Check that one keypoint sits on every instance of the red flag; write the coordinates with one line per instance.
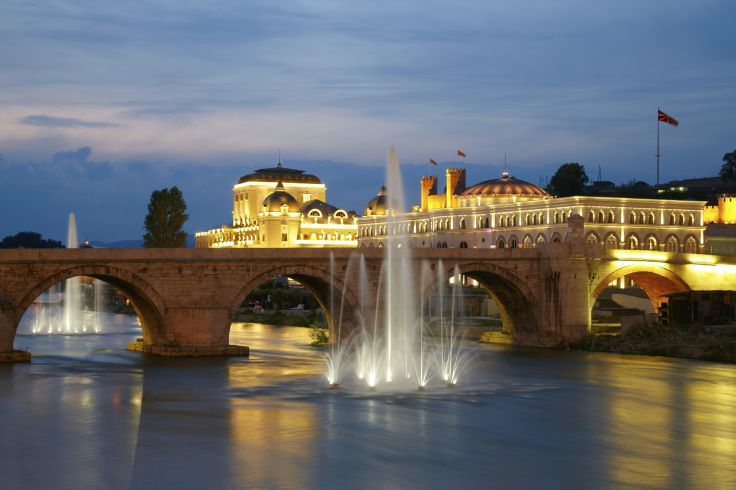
(460, 153)
(432, 162)
(665, 118)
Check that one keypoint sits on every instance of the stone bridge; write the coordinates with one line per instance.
(186, 298)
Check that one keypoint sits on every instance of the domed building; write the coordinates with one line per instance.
(282, 207)
(507, 212)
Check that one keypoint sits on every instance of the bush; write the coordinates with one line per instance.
(320, 337)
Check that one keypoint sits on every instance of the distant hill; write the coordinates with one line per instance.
(118, 244)
(132, 243)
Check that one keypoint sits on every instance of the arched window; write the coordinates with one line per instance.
(527, 222)
(564, 217)
(651, 243)
(632, 218)
(651, 218)
(513, 220)
(463, 244)
(501, 243)
(528, 243)
(541, 218)
(611, 217)
(691, 245)
(556, 218)
(486, 223)
(632, 243)
(601, 217)
(556, 238)
(611, 242)
(591, 216)
(591, 239)
(672, 220)
(690, 220)
(512, 243)
(540, 238)
(642, 219)
(534, 219)
(462, 224)
(681, 220)
(673, 244)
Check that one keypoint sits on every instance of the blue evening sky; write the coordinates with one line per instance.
(103, 102)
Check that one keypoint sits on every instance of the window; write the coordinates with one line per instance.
(501, 243)
(463, 244)
(462, 225)
(673, 245)
(611, 242)
(611, 217)
(672, 220)
(681, 220)
(512, 243)
(651, 243)
(632, 218)
(632, 242)
(642, 219)
(591, 216)
(690, 220)
(651, 218)
(691, 246)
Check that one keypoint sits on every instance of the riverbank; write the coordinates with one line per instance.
(709, 343)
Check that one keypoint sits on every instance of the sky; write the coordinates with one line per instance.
(103, 102)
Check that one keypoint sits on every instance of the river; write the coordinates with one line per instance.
(88, 414)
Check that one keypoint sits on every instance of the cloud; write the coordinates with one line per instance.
(63, 122)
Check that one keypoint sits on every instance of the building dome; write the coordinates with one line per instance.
(278, 198)
(505, 187)
(378, 204)
(280, 173)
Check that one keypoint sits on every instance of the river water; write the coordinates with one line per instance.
(88, 414)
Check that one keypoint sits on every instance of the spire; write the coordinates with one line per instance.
(279, 164)
(505, 173)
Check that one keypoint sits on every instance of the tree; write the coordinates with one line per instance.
(569, 180)
(728, 170)
(29, 239)
(636, 188)
(165, 219)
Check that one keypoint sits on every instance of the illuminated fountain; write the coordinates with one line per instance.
(399, 347)
(73, 316)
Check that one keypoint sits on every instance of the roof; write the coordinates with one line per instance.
(280, 173)
(505, 186)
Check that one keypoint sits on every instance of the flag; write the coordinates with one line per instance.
(665, 118)
(460, 153)
(432, 162)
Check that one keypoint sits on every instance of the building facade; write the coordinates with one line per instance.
(511, 213)
(282, 207)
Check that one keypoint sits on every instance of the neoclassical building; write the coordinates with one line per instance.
(282, 207)
(509, 212)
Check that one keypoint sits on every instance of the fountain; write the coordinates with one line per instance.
(74, 316)
(399, 348)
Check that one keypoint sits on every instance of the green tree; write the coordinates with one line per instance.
(165, 219)
(569, 180)
(728, 170)
(636, 188)
(29, 239)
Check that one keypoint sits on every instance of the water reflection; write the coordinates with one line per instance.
(90, 415)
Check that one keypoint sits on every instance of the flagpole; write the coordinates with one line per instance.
(658, 154)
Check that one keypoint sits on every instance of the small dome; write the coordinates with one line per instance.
(378, 204)
(505, 186)
(280, 173)
(278, 198)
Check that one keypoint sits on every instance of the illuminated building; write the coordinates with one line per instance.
(511, 213)
(282, 207)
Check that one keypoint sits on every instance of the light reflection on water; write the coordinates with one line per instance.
(87, 414)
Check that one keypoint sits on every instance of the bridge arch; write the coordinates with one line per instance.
(513, 296)
(655, 280)
(318, 281)
(147, 303)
